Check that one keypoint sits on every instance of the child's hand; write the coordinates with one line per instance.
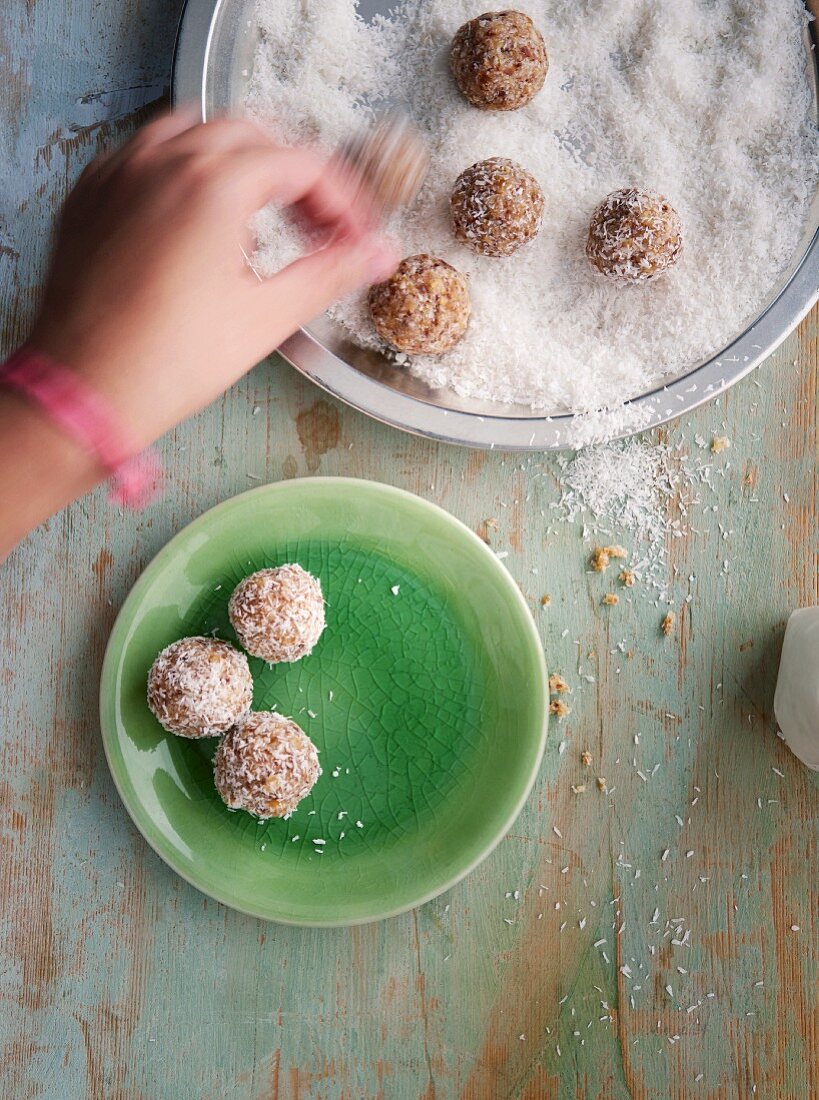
(149, 296)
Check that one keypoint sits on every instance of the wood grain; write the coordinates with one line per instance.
(118, 980)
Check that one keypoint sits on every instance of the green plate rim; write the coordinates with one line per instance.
(113, 652)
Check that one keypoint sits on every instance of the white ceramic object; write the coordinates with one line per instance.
(796, 702)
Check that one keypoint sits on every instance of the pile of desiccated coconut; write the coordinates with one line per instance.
(646, 492)
(708, 104)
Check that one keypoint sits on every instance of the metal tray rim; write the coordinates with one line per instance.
(525, 432)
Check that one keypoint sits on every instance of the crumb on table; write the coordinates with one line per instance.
(557, 685)
(602, 556)
(628, 577)
(667, 625)
(610, 599)
(720, 443)
(586, 758)
(558, 708)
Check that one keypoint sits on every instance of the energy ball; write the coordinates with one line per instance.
(391, 161)
(499, 60)
(496, 207)
(278, 614)
(198, 687)
(634, 235)
(423, 309)
(265, 765)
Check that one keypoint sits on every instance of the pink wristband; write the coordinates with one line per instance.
(85, 416)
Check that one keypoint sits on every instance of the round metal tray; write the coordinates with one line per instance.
(214, 57)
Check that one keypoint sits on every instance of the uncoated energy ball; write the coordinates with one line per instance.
(198, 687)
(634, 235)
(499, 60)
(496, 207)
(265, 765)
(278, 614)
(423, 309)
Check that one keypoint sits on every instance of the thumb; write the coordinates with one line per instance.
(305, 288)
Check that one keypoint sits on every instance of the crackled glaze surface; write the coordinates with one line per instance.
(425, 696)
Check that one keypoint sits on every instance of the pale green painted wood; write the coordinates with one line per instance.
(119, 980)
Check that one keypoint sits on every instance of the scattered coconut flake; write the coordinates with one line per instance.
(648, 490)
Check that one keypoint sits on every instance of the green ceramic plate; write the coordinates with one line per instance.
(426, 696)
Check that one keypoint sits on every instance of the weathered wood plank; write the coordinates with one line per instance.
(119, 980)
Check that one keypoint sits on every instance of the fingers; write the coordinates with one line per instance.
(95, 167)
(150, 136)
(167, 126)
(337, 201)
(241, 153)
(308, 286)
(319, 192)
(224, 135)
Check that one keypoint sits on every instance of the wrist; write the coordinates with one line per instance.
(91, 358)
(41, 469)
(86, 417)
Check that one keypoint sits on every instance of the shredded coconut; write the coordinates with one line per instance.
(278, 614)
(266, 765)
(707, 103)
(645, 489)
(198, 687)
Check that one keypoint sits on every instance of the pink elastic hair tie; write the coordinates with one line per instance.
(85, 416)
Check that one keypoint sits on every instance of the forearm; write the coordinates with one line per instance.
(41, 470)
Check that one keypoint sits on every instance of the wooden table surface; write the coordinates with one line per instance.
(118, 979)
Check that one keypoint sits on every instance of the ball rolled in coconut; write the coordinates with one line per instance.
(266, 764)
(423, 309)
(499, 60)
(634, 235)
(496, 207)
(278, 614)
(198, 687)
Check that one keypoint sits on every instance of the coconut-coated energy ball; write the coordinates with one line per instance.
(391, 161)
(423, 309)
(496, 207)
(499, 60)
(634, 235)
(198, 687)
(265, 765)
(278, 614)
